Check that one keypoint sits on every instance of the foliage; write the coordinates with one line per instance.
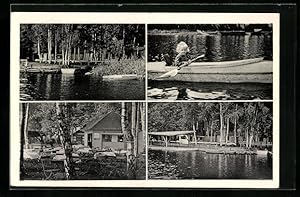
(211, 27)
(252, 119)
(126, 66)
(93, 41)
(42, 116)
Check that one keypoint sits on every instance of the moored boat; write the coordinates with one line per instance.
(68, 71)
(255, 70)
(262, 152)
(119, 77)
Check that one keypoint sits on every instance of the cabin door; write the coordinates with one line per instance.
(90, 140)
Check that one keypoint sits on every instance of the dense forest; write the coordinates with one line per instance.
(251, 121)
(211, 27)
(87, 42)
(60, 120)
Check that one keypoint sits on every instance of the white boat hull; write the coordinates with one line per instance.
(225, 72)
(69, 71)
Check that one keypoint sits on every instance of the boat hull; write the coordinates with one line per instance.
(119, 77)
(69, 71)
(229, 72)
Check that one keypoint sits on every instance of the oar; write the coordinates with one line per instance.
(173, 73)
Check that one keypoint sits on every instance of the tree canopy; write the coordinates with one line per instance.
(210, 27)
(91, 40)
(252, 121)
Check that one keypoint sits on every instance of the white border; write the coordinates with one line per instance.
(18, 18)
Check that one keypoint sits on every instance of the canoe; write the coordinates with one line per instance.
(119, 77)
(68, 71)
(254, 70)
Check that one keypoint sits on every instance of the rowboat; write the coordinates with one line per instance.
(262, 152)
(255, 70)
(69, 71)
(119, 77)
(232, 32)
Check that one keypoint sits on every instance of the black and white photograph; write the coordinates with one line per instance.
(82, 141)
(210, 140)
(82, 62)
(210, 61)
(144, 100)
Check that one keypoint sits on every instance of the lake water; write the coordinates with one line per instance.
(216, 48)
(226, 91)
(200, 165)
(38, 86)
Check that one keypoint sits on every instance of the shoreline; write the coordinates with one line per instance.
(210, 150)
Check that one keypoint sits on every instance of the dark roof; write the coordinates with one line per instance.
(94, 121)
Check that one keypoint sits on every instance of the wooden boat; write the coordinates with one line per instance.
(202, 33)
(254, 70)
(232, 32)
(69, 71)
(119, 77)
(262, 152)
(50, 71)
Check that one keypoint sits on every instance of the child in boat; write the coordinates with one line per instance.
(182, 50)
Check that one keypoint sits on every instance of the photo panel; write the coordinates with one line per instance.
(82, 141)
(210, 140)
(210, 61)
(82, 61)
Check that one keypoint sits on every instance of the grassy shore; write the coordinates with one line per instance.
(122, 67)
(105, 168)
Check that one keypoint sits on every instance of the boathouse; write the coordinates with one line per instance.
(104, 131)
(172, 138)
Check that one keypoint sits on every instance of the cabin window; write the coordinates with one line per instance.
(114, 138)
(120, 138)
(107, 138)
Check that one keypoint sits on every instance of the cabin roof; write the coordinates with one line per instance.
(94, 123)
(170, 133)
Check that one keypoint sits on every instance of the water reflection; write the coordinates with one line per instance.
(215, 91)
(36, 86)
(215, 47)
(199, 165)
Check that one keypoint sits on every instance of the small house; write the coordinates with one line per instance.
(104, 131)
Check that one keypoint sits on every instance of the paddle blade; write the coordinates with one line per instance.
(171, 73)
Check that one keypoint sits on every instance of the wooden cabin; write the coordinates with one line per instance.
(104, 131)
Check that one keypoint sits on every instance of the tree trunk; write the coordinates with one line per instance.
(143, 121)
(211, 131)
(227, 131)
(78, 53)
(39, 50)
(49, 45)
(221, 125)
(63, 55)
(69, 50)
(55, 48)
(234, 131)
(133, 126)
(247, 141)
(129, 142)
(74, 54)
(63, 117)
(207, 129)
(24, 139)
(124, 33)
(84, 54)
